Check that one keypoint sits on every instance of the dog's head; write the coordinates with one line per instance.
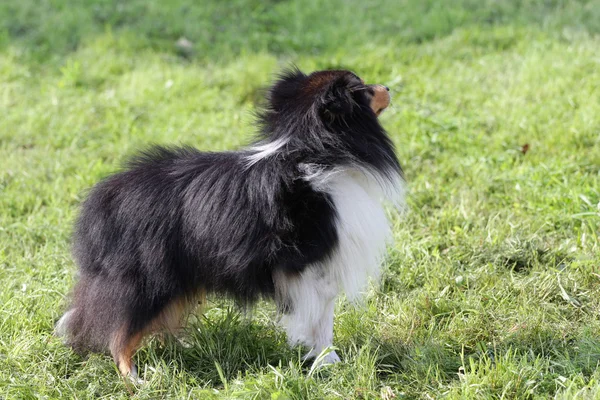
(329, 118)
(333, 94)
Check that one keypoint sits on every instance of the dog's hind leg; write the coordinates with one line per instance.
(169, 320)
(172, 319)
(123, 345)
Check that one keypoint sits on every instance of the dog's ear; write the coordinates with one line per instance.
(337, 99)
(285, 88)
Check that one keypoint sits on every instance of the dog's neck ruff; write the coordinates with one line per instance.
(363, 227)
(358, 192)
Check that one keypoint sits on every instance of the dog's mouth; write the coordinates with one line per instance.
(381, 99)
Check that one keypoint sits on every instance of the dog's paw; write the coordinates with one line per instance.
(331, 358)
(327, 356)
(134, 377)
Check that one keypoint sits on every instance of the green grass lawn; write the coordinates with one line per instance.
(492, 287)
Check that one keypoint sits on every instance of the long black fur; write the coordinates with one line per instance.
(178, 220)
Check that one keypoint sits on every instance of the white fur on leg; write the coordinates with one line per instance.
(60, 328)
(311, 296)
(323, 337)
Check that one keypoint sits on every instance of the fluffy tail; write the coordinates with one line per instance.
(61, 328)
(93, 316)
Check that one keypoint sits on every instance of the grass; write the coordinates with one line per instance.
(492, 287)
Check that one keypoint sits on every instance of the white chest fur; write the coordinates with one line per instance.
(363, 232)
(362, 225)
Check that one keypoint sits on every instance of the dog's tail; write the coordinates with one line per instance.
(92, 317)
(61, 329)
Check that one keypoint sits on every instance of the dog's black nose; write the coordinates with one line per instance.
(387, 88)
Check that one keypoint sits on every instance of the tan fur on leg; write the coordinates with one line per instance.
(174, 316)
(122, 347)
(170, 321)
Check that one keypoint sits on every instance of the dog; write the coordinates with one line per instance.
(298, 217)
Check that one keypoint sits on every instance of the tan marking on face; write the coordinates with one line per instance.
(381, 99)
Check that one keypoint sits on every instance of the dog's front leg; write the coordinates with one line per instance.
(323, 335)
(307, 301)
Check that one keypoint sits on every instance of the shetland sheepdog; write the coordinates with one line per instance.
(297, 217)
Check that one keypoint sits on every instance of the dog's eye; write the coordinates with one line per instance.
(354, 88)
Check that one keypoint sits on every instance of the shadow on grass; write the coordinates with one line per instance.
(230, 342)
